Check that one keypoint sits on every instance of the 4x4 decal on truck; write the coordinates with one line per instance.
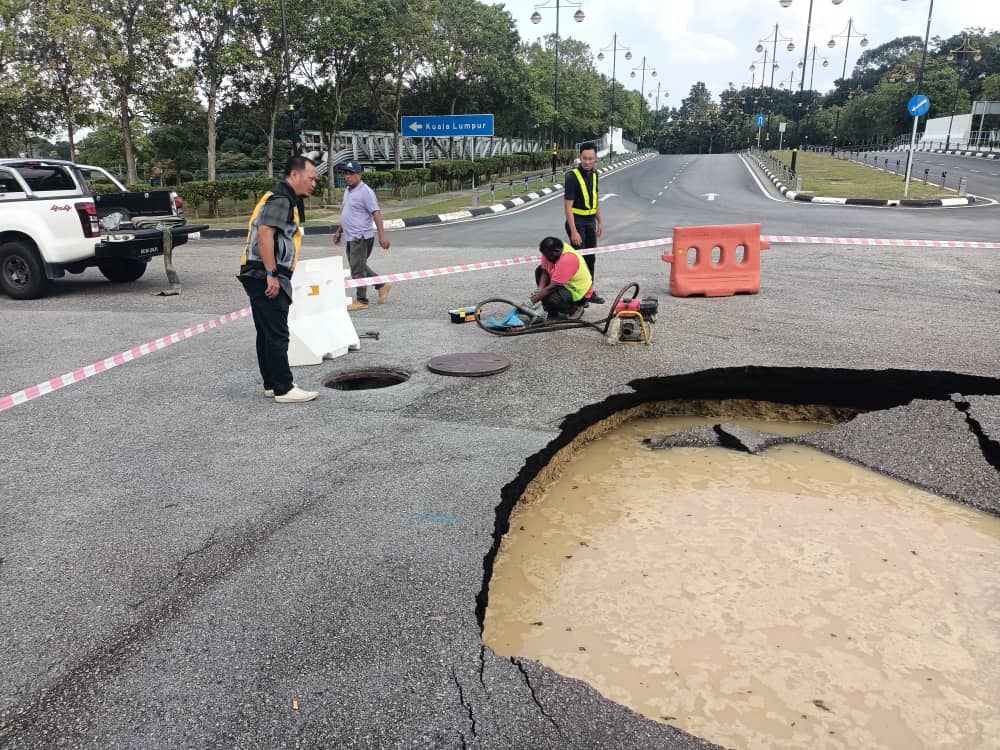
(67, 207)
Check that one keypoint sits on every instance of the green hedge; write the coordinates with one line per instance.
(447, 173)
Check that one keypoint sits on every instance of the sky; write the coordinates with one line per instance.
(713, 41)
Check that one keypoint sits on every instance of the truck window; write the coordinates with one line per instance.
(9, 186)
(42, 178)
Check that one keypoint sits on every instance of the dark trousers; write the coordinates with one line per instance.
(588, 233)
(358, 253)
(559, 301)
(270, 316)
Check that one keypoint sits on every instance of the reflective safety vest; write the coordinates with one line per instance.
(581, 282)
(589, 202)
(287, 240)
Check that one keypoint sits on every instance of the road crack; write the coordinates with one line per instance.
(531, 689)
(989, 447)
(465, 704)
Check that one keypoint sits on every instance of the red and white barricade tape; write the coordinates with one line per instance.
(792, 239)
(447, 270)
(82, 373)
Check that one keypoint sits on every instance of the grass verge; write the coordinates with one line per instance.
(825, 175)
(407, 207)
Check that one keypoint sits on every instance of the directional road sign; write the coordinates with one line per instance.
(434, 126)
(760, 121)
(918, 106)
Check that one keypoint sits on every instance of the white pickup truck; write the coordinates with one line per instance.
(50, 223)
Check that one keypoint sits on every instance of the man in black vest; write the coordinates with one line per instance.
(583, 212)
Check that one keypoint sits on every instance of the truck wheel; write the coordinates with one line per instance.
(22, 273)
(121, 271)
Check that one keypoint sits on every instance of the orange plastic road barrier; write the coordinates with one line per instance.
(715, 261)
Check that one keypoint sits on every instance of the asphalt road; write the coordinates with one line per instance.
(184, 564)
(653, 197)
(982, 175)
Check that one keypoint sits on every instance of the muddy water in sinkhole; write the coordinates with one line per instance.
(781, 600)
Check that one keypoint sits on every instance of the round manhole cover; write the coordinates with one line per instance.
(361, 380)
(469, 364)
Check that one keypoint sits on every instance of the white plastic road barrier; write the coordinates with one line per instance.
(318, 323)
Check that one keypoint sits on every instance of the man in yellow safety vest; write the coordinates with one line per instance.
(583, 212)
(562, 280)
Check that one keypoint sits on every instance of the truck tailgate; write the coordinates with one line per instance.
(142, 244)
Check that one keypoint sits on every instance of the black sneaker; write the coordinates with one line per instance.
(596, 299)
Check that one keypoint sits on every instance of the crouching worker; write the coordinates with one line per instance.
(563, 280)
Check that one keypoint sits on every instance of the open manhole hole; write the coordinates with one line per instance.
(364, 380)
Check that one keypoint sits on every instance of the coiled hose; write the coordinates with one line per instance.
(601, 326)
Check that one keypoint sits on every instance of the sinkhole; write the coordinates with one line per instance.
(361, 380)
(768, 596)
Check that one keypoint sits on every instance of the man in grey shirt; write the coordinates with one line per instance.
(360, 210)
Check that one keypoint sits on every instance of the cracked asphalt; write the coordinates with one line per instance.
(185, 564)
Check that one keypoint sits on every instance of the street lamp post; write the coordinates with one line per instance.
(774, 37)
(957, 55)
(805, 51)
(536, 17)
(642, 92)
(927, 39)
(288, 80)
(614, 60)
(843, 73)
(812, 73)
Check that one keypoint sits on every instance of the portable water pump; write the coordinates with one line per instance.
(634, 318)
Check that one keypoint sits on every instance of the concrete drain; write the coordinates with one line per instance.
(364, 380)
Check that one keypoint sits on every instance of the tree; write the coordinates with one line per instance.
(337, 58)
(105, 146)
(220, 47)
(65, 58)
(179, 139)
(401, 51)
(137, 40)
(474, 65)
(24, 108)
(991, 88)
(264, 92)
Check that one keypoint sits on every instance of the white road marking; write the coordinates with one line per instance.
(711, 196)
(653, 201)
(660, 193)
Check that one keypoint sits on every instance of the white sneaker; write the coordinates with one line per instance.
(269, 392)
(296, 396)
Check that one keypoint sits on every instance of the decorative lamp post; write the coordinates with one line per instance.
(957, 55)
(642, 92)
(615, 49)
(536, 17)
(805, 51)
(288, 81)
(850, 31)
(927, 38)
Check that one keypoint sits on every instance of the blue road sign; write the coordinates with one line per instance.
(434, 126)
(760, 121)
(918, 106)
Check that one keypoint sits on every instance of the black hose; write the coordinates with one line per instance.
(556, 325)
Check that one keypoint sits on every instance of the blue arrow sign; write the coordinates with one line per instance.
(760, 121)
(918, 106)
(434, 126)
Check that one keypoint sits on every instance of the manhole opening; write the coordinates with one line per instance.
(365, 380)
